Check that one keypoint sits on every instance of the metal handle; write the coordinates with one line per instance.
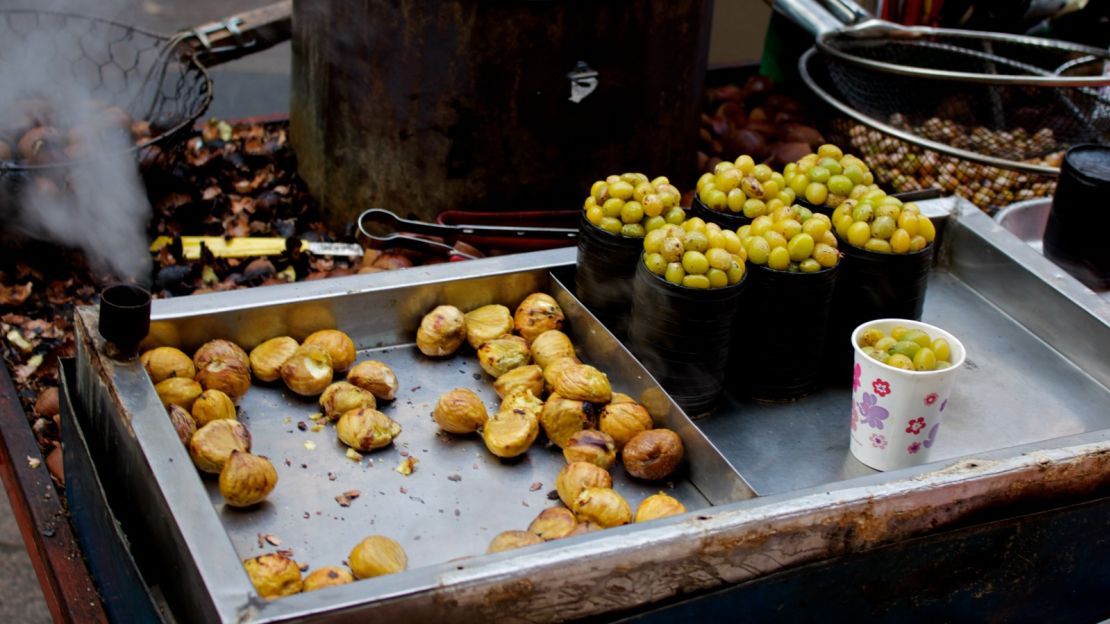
(808, 14)
(848, 11)
(239, 35)
(388, 221)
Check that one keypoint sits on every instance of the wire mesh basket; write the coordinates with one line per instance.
(52, 57)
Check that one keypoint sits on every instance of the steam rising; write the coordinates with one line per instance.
(55, 77)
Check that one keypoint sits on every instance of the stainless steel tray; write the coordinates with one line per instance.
(1030, 418)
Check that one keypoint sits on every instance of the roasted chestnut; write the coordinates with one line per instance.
(582, 382)
(652, 454)
(178, 391)
(183, 423)
(212, 445)
(553, 523)
(486, 323)
(518, 380)
(274, 575)
(327, 576)
(162, 363)
(550, 346)
(339, 346)
(366, 429)
(562, 418)
(576, 476)
(308, 371)
(442, 331)
(590, 445)
(658, 506)
(501, 355)
(509, 540)
(602, 505)
(624, 420)
(246, 479)
(536, 314)
(213, 405)
(377, 555)
(460, 411)
(341, 397)
(510, 433)
(266, 359)
(376, 377)
(222, 365)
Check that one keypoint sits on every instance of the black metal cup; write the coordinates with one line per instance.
(124, 317)
(1071, 239)
(727, 220)
(779, 338)
(682, 336)
(603, 278)
(872, 286)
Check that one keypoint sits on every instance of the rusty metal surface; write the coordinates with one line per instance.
(628, 567)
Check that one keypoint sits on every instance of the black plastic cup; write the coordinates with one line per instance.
(814, 208)
(124, 318)
(781, 331)
(872, 286)
(682, 336)
(603, 276)
(727, 220)
(1082, 192)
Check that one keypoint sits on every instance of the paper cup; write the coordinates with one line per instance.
(896, 414)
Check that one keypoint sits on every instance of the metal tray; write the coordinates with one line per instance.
(1030, 420)
(459, 495)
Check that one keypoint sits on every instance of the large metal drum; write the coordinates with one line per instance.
(424, 106)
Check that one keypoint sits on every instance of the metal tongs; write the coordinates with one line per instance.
(383, 227)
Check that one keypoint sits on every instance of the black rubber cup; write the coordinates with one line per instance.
(1070, 240)
(682, 336)
(124, 318)
(727, 220)
(872, 286)
(603, 278)
(781, 331)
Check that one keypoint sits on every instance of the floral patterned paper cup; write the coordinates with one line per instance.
(896, 414)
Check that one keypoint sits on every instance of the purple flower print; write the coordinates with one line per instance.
(855, 417)
(932, 436)
(878, 441)
(944, 405)
(855, 378)
(913, 448)
(872, 414)
(930, 399)
(881, 387)
(915, 425)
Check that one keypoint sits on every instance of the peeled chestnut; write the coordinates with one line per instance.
(486, 323)
(562, 418)
(624, 420)
(553, 523)
(590, 445)
(341, 397)
(519, 379)
(501, 355)
(377, 555)
(162, 363)
(585, 527)
(274, 575)
(212, 445)
(509, 540)
(246, 479)
(576, 476)
(603, 506)
(550, 346)
(536, 314)
(366, 429)
(658, 506)
(178, 391)
(442, 331)
(460, 411)
(652, 454)
(376, 377)
(552, 370)
(182, 422)
(224, 366)
(524, 403)
(213, 405)
(510, 433)
(308, 371)
(327, 576)
(266, 359)
(582, 382)
(338, 345)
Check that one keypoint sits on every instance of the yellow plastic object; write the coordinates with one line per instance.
(245, 247)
